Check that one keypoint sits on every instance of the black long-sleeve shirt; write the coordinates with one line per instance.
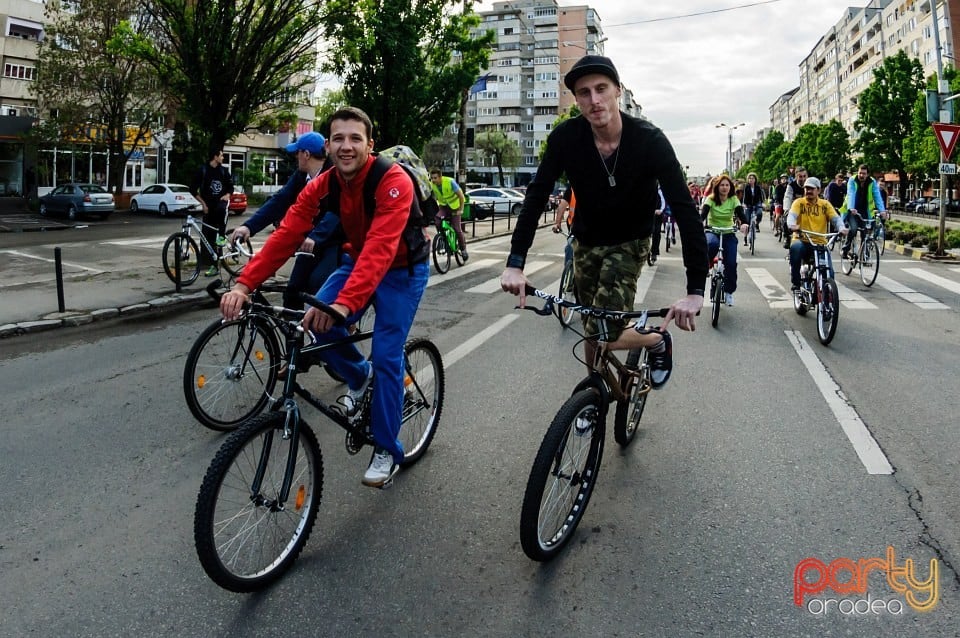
(609, 215)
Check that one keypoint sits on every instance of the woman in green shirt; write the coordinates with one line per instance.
(721, 209)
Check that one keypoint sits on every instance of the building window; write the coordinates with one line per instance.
(19, 71)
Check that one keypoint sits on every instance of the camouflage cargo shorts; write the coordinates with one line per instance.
(606, 277)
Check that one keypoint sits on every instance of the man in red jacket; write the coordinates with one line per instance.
(376, 268)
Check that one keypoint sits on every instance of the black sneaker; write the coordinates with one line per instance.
(661, 363)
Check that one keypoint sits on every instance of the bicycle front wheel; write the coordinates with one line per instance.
(753, 238)
(629, 412)
(231, 372)
(717, 290)
(828, 310)
(563, 476)
(881, 237)
(245, 534)
(189, 259)
(869, 262)
(847, 263)
(423, 386)
(236, 257)
(565, 315)
(441, 254)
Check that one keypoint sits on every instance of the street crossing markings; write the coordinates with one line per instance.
(493, 285)
(852, 300)
(775, 294)
(918, 299)
(866, 447)
(478, 339)
(466, 269)
(943, 282)
(643, 285)
(95, 271)
(143, 241)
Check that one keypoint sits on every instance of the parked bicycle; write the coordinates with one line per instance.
(233, 367)
(863, 254)
(235, 255)
(716, 277)
(260, 496)
(564, 472)
(445, 245)
(818, 289)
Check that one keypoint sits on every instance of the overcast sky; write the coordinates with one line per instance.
(691, 73)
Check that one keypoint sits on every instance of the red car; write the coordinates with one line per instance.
(238, 203)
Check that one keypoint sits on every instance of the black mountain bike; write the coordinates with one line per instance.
(260, 496)
(716, 276)
(818, 289)
(564, 472)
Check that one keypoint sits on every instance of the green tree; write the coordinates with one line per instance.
(406, 63)
(921, 152)
(573, 111)
(504, 151)
(763, 157)
(328, 103)
(885, 116)
(89, 94)
(832, 148)
(229, 64)
(804, 149)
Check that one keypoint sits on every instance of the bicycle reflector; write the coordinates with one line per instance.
(301, 496)
(201, 381)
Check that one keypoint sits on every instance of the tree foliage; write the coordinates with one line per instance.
(921, 152)
(406, 63)
(504, 151)
(886, 109)
(229, 64)
(89, 94)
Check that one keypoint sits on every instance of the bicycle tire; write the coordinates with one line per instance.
(441, 254)
(869, 262)
(848, 263)
(717, 300)
(798, 304)
(565, 315)
(236, 259)
(651, 258)
(246, 541)
(753, 238)
(544, 533)
(629, 412)
(424, 385)
(881, 238)
(189, 259)
(828, 310)
(454, 244)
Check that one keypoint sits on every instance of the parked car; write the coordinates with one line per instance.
(238, 203)
(504, 200)
(916, 205)
(74, 200)
(893, 201)
(932, 206)
(164, 199)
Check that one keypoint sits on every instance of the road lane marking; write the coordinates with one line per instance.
(478, 339)
(908, 294)
(493, 285)
(135, 242)
(49, 260)
(852, 300)
(466, 269)
(866, 447)
(775, 294)
(646, 278)
(943, 282)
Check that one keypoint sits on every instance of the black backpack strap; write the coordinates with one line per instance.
(380, 167)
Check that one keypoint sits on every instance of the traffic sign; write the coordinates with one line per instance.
(947, 135)
(948, 169)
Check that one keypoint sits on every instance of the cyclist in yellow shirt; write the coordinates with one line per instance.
(450, 200)
(814, 214)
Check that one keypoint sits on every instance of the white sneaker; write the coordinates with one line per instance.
(351, 400)
(382, 468)
(728, 298)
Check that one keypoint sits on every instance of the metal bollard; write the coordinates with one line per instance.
(176, 263)
(58, 262)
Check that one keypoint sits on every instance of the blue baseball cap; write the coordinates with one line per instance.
(312, 142)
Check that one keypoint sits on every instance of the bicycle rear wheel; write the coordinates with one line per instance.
(753, 237)
(629, 412)
(563, 476)
(189, 259)
(441, 254)
(236, 257)
(565, 315)
(231, 372)
(423, 386)
(717, 300)
(453, 241)
(828, 310)
(850, 261)
(869, 262)
(245, 536)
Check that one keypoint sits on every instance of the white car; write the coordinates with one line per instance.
(165, 198)
(504, 200)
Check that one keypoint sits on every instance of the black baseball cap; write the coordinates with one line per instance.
(591, 64)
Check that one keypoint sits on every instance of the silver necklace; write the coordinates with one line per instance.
(610, 177)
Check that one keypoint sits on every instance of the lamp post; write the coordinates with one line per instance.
(730, 129)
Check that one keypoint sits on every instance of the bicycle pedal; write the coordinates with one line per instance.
(353, 443)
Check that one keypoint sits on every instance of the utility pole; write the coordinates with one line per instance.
(942, 90)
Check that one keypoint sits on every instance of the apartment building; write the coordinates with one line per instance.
(25, 170)
(537, 42)
(840, 65)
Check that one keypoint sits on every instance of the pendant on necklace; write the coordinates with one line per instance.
(612, 180)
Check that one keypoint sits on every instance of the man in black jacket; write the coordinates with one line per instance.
(212, 185)
(614, 163)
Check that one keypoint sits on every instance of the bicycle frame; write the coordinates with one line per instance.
(447, 229)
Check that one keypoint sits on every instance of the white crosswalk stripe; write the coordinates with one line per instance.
(140, 243)
(850, 299)
(918, 299)
(466, 269)
(937, 280)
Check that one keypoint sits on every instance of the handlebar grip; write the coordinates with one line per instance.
(310, 300)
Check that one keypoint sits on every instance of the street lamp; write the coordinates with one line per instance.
(730, 129)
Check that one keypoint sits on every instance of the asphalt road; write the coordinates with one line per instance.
(743, 468)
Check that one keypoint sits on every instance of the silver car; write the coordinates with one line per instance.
(78, 199)
(504, 200)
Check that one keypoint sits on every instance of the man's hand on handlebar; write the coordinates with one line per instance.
(317, 320)
(231, 303)
(239, 235)
(515, 282)
(683, 311)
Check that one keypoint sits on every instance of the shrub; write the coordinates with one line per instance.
(919, 241)
(953, 239)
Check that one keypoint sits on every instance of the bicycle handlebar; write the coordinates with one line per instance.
(717, 229)
(592, 311)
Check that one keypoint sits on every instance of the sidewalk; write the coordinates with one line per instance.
(114, 286)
